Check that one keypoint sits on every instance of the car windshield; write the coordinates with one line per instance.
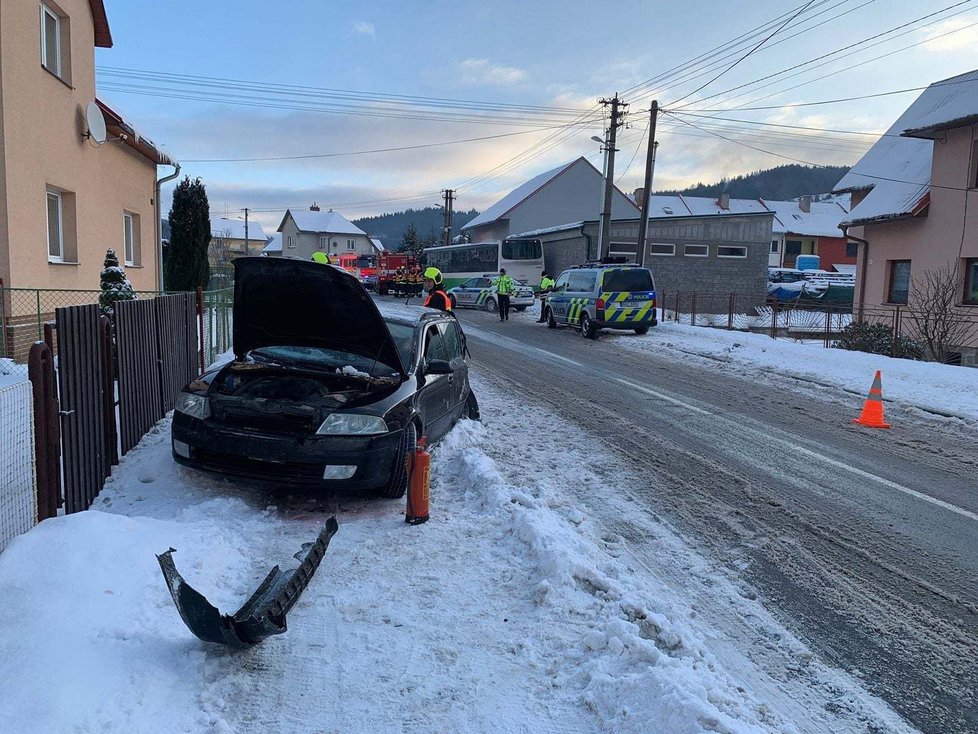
(403, 338)
(632, 279)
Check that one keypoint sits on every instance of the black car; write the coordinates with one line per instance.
(327, 387)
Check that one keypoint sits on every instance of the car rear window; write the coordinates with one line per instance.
(632, 279)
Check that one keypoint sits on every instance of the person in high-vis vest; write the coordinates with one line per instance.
(546, 285)
(505, 287)
(435, 285)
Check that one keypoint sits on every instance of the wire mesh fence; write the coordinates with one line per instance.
(18, 485)
(949, 335)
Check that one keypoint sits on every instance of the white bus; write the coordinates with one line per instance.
(522, 258)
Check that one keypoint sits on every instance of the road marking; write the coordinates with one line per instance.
(821, 457)
(517, 345)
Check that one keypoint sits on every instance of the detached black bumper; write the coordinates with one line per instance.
(283, 459)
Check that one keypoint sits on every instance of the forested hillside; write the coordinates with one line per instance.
(390, 228)
(776, 184)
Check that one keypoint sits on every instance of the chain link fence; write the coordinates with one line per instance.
(18, 483)
(950, 336)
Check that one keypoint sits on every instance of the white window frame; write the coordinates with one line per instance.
(128, 239)
(351, 245)
(653, 253)
(687, 253)
(323, 243)
(46, 11)
(290, 242)
(742, 248)
(775, 247)
(60, 257)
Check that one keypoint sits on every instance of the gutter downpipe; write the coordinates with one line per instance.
(159, 224)
(862, 274)
(587, 243)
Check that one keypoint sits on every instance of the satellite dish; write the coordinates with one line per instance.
(96, 123)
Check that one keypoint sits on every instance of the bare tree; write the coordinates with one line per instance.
(940, 327)
(220, 248)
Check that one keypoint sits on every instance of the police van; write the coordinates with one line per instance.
(600, 296)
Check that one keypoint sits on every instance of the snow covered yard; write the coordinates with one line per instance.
(511, 610)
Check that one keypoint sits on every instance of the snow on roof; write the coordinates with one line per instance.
(234, 229)
(517, 196)
(822, 221)
(898, 168)
(329, 221)
(548, 230)
(274, 243)
(378, 245)
(702, 205)
(668, 205)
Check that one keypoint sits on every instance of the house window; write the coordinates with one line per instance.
(899, 288)
(971, 281)
(290, 242)
(852, 249)
(351, 245)
(323, 243)
(731, 251)
(660, 249)
(50, 40)
(774, 247)
(130, 234)
(56, 241)
(696, 251)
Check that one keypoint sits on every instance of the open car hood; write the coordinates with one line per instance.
(296, 303)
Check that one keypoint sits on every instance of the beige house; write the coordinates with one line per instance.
(65, 197)
(231, 239)
(915, 203)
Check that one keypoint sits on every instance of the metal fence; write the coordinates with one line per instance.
(215, 324)
(18, 482)
(931, 336)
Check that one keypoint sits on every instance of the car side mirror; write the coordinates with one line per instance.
(438, 367)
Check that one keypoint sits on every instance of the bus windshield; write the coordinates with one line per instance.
(522, 250)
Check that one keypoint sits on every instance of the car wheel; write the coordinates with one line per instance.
(491, 305)
(551, 321)
(451, 297)
(398, 483)
(641, 330)
(519, 309)
(472, 407)
(588, 331)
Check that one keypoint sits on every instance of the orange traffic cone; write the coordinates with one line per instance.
(872, 415)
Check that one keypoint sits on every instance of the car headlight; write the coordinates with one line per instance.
(196, 406)
(352, 424)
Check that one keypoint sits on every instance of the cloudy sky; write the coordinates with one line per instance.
(518, 81)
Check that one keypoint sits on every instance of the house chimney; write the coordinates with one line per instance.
(805, 204)
(724, 201)
(314, 207)
(639, 195)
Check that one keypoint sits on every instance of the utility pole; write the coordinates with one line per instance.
(643, 225)
(246, 210)
(447, 226)
(617, 114)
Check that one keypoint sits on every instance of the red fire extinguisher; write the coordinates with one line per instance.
(417, 499)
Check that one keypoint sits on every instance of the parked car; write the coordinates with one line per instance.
(481, 293)
(593, 297)
(327, 388)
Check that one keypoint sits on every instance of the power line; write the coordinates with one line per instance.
(791, 127)
(749, 53)
(833, 53)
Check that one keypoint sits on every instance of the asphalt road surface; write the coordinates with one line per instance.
(863, 543)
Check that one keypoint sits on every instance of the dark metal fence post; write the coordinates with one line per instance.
(730, 311)
(106, 357)
(828, 326)
(677, 306)
(200, 325)
(692, 311)
(47, 430)
(774, 319)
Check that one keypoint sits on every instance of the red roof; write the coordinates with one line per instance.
(103, 36)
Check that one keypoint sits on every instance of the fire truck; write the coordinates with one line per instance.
(387, 267)
(364, 267)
